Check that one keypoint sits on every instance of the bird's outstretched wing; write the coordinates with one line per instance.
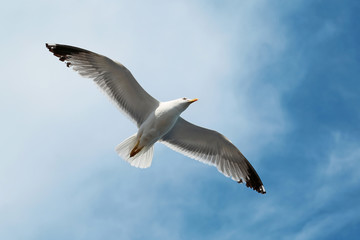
(115, 79)
(212, 148)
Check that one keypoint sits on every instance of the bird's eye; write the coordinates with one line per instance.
(184, 98)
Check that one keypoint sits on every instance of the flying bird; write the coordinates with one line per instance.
(157, 121)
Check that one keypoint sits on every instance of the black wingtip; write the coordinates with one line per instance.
(50, 46)
(253, 181)
(63, 52)
(259, 189)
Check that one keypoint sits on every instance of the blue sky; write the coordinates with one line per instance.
(280, 79)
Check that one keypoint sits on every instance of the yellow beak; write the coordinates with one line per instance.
(193, 100)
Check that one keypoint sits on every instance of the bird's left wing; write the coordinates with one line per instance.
(212, 148)
(113, 78)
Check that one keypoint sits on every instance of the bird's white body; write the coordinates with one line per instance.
(157, 121)
(138, 149)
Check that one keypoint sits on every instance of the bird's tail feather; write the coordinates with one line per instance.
(142, 159)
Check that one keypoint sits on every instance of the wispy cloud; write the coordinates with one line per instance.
(250, 63)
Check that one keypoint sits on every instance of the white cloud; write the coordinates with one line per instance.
(325, 202)
(59, 132)
(344, 160)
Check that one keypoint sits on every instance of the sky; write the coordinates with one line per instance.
(280, 79)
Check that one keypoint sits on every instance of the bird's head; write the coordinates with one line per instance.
(183, 103)
(188, 101)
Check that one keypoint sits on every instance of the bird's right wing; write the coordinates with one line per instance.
(212, 148)
(113, 78)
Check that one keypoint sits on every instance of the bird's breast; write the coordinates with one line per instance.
(156, 126)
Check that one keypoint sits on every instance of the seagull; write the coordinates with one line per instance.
(157, 121)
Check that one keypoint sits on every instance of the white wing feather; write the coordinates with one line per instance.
(212, 148)
(113, 78)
